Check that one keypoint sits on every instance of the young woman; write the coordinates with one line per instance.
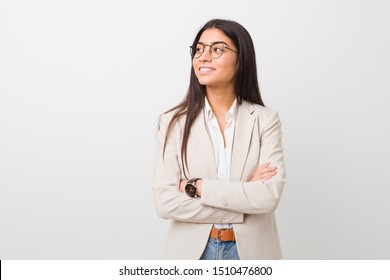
(219, 171)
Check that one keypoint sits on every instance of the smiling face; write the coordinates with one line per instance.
(216, 72)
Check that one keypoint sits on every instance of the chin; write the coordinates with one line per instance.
(205, 82)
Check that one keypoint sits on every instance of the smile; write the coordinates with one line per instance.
(206, 69)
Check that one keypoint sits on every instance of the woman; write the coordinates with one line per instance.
(219, 171)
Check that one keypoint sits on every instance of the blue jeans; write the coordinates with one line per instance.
(220, 250)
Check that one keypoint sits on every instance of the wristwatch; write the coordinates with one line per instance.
(190, 188)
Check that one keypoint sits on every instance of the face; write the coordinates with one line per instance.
(216, 72)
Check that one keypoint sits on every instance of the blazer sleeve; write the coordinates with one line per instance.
(169, 201)
(253, 197)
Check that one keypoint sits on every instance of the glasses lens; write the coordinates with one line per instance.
(197, 50)
(217, 50)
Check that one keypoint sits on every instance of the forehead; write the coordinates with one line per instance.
(212, 35)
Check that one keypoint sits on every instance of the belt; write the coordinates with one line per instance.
(223, 234)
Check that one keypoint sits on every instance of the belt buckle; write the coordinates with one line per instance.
(219, 234)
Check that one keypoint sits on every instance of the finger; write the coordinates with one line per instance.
(268, 174)
(265, 170)
(265, 175)
(264, 165)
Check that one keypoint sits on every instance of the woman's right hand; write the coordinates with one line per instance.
(263, 172)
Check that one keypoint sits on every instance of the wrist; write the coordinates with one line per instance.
(191, 187)
(199, 187)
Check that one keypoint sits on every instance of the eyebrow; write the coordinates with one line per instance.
(212, 43)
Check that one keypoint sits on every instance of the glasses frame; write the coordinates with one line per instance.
(193, 50)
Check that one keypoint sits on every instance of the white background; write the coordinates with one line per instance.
(83, 82)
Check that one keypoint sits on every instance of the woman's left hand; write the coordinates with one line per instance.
(182, 185)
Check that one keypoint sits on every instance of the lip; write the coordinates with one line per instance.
(205, 70)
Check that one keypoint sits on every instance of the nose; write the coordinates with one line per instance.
(206, 54)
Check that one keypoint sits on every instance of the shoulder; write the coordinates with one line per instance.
(267, 119)
(164, 120)
(168, 116)
(259, 111)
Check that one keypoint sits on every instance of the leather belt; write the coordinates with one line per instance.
(223, 234)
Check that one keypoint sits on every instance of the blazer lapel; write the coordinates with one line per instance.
(242, 136)
(204, 147)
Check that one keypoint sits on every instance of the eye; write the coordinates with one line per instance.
(199, 49)
(218, 49)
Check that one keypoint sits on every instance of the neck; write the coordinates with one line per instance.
(220, 100)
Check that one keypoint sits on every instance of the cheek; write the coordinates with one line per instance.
(230, 70)
(195, 63)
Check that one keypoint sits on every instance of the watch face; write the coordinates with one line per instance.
(190, 190)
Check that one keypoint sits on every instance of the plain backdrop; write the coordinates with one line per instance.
(83, 82)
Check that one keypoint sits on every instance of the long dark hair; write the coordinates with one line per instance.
(247, 86)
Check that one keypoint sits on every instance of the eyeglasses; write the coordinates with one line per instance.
(216, 50)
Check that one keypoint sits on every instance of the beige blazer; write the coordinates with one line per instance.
(249, 206)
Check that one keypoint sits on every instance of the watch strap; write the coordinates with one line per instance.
(193, 181)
